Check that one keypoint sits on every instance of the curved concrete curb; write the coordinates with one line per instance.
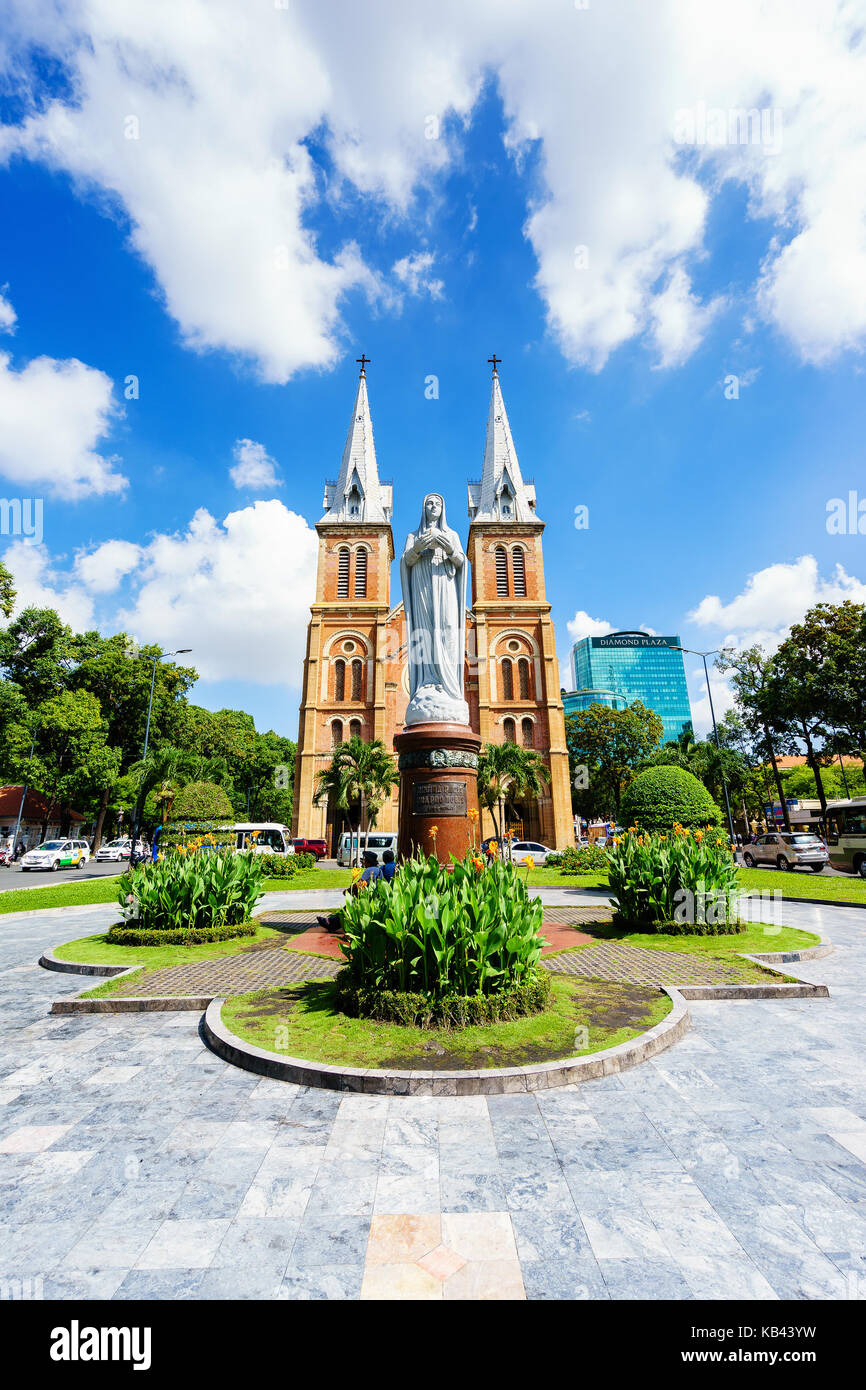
(126, 1004)
(800, 990)
(49, 961)
(824, 948)
(446, 1083)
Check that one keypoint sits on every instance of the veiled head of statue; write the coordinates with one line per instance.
(433, 509)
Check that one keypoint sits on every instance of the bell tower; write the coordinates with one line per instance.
(517, 698)
(349, 683)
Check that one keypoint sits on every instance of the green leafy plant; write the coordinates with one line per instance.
(441, 931)
(589, 859)
(661, 797)
(201, 801)
(189, 891)
(682, 882)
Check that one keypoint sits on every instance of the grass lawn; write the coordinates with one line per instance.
(95, 950)
(309, 878)
(797, 884)
(299, 1021)
(92, 890)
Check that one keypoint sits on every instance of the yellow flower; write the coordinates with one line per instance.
(472, 814)
(529, 862)
(356, 873)
(699, 835)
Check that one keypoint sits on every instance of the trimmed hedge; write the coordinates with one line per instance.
(661, 797)
(121, 935)
(201, 801)
(730, 928)
(449, 1011)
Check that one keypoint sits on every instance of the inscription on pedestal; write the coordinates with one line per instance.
(439, 799)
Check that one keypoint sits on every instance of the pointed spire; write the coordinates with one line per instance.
(502, 495)
(357, 495)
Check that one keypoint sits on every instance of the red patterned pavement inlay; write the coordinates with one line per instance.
(557, 936)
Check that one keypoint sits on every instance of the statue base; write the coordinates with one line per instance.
(438, 788)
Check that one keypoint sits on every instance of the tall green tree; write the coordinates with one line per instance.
(507, 774)
(7, 592)
(613, 745)
(359, 775)
(759, 690)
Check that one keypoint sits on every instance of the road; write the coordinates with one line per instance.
(16, 877)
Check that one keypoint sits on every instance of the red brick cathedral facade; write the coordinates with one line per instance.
(355, 675)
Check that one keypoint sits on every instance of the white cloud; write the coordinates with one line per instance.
(253, 466)
(414, 273)
(39, 585)
(221, 190)
(773, 599)
(54, 414)
(102, 569)
(679, 320)
(582, 625)
(237, 592)
(8, 317)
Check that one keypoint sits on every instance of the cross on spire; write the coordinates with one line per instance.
(363, 360)
(494, 360)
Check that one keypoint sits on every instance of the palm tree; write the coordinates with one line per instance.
(508, 772)
(358, 772)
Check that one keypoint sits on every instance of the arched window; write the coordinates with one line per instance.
(518, 570)
(527, 730)
(360, 574)
(336, 732)
(355, 728)
(509, 731)
(523, 678)
(356, 679)
(501, 572)
(343, 573)
(340, 679)
(507, 680)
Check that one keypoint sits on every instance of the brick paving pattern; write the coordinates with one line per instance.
(271, 966)
(614, 960)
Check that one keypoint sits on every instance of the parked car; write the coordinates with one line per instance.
(521, 850)
(116, 850)
(54, 855)
(317, 847)
(787, 850)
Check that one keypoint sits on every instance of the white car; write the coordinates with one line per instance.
(521, 850)
(116, 850)
(54, 855)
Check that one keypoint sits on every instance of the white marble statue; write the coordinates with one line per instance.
(433, 577)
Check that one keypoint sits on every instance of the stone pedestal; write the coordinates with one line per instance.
(438, 785)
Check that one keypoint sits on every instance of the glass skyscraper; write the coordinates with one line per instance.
(626, 666)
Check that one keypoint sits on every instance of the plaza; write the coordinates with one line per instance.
(135, 1164)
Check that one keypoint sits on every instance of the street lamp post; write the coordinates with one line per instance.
(136, 812)
(703, 656)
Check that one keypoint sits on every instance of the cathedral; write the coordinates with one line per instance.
(355, 673)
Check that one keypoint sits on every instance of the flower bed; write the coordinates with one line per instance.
(189, 892)
(682, 882)
(446, 934)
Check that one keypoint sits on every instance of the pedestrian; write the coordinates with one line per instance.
(372, 871)
(389, 868)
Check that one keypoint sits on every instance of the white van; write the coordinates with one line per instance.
(377, 844)
(264, 837)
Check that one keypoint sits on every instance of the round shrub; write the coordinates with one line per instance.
(662, 797)
(201, 801)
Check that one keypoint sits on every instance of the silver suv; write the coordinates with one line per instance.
(799, 850)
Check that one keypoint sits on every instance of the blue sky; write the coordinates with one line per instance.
(328, 222)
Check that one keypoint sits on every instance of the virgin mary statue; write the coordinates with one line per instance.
(433, 577)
